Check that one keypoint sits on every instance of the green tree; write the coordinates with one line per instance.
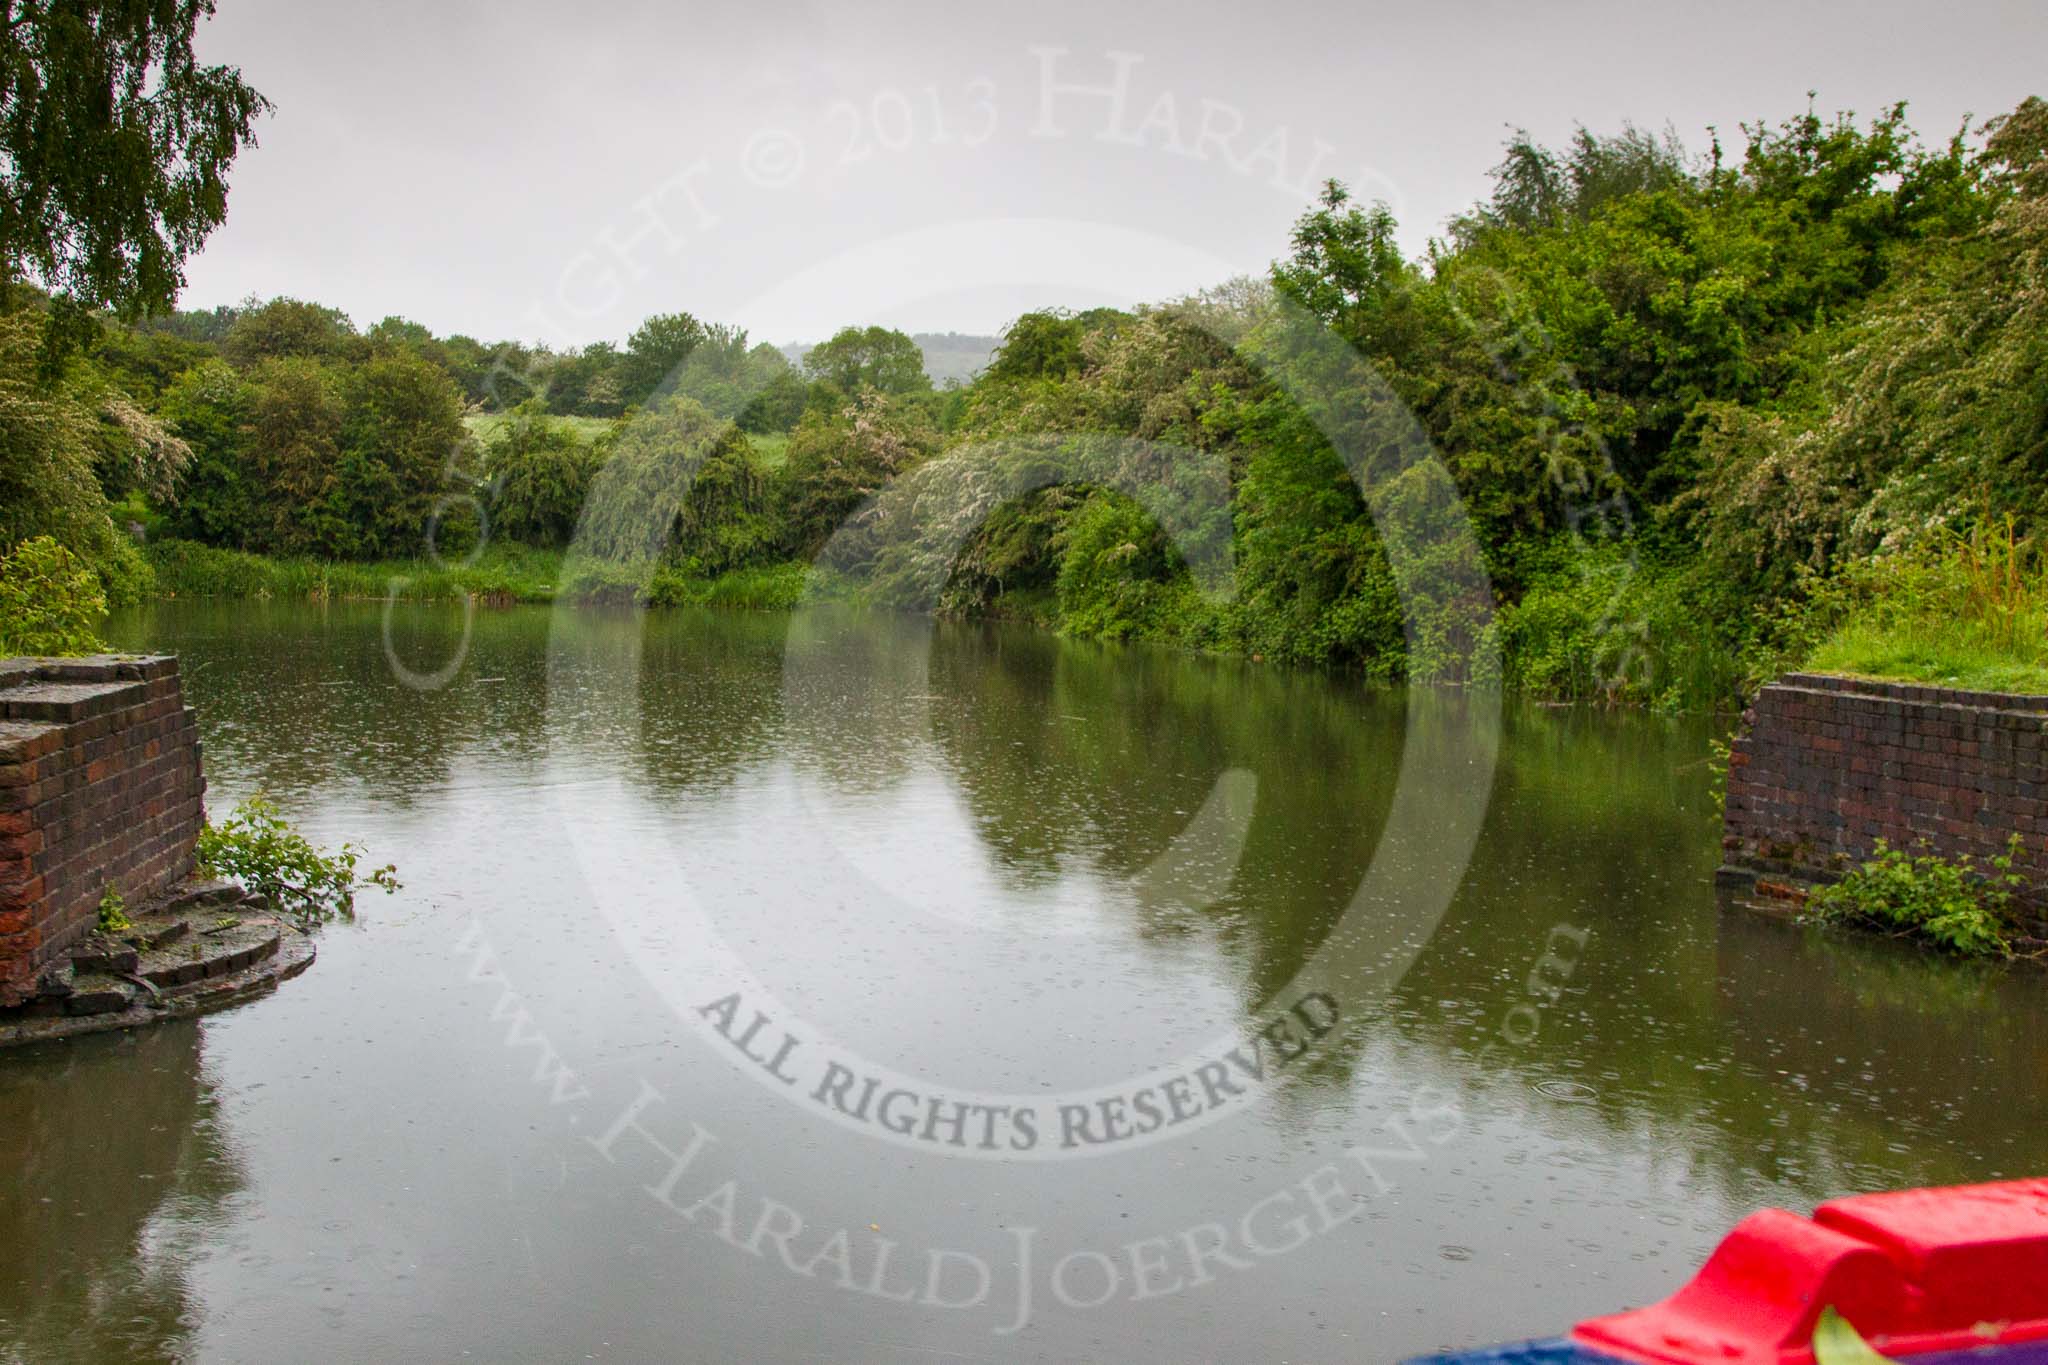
(1052, 343)
(638, 500)
(878, 358)
(542, 476)
(839, 460)
(292, 439)
(779, 405)
(216, 499)
(50, 602)
(401, 431)
(585, 383)
(1920, 412)
(115, 144)
(51, 444)
(289, 327)
(656, 350)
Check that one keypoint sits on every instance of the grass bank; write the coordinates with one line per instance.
(1971, 614)
(502, 574)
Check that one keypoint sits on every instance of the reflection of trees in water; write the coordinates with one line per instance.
(1715, 1040)
(319, 674)
(1100, 755)
(708, 693)
(857, 692)
(1760, 1055)
(117, 1162)
(1071, 754)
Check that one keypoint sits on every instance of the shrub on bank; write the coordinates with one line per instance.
(1945, 902)
(50, 601)
(258, 848)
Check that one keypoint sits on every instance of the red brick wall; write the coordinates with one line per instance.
(100, 786)
(1827, 765)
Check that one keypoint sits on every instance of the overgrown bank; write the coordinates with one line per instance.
(1703, 416)
(502, 575)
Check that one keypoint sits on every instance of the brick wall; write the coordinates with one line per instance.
(100, 786)
(1827, 765)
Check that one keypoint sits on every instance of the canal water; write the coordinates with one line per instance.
(859, 988)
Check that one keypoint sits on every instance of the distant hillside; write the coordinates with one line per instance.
(947, 355)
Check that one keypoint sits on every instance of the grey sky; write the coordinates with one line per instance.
(556, 172)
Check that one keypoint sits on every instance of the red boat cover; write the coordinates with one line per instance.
(1914, 1272)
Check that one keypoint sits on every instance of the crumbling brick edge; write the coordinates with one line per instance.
(100, 787)
(1825, 765)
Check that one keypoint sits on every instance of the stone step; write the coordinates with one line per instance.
(194, 897)
(211, 953)
(104, 956)
(98, 993)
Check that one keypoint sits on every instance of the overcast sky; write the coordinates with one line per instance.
(550, 171)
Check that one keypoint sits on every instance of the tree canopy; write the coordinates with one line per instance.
(115, 144)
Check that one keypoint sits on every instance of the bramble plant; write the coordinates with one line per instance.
(1946, 902)
(258, 848)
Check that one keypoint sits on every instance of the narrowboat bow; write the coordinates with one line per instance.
(1934, 1276)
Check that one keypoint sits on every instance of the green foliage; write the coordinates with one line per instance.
(401, 433)
(502, 573)
(1703, 417)
(767, 587)
(217, 499)
(778, 405)
(1962, 611)
(839, 460)
(287, 329)
(116, 143)
(292, 443)
(55, 438)
(1535, 187)
(258, 848)
(298, 457)
(878, 358)
(1118, 575)
(113, 912)
(655, 351)
(542, 471)
(1919, 413)
(50, 603)
(754, 386)
(1345, 258)
(1945, 902)
(1048, 344)
(644, 490)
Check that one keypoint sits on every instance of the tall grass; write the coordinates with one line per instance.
(1971, 613)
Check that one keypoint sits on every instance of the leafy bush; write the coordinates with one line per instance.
(1119, 576)
(1944, 902)
(50, 601)
(256, 847)
(542, 471)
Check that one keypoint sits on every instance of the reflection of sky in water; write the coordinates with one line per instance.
(360, 1167)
